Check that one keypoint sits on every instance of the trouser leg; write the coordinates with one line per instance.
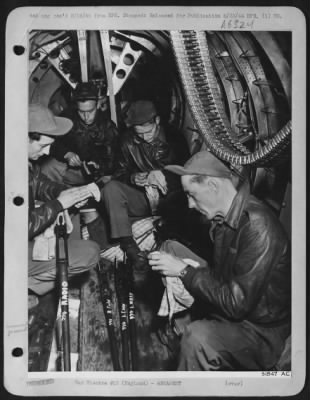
(122, 202)
(173, 208)
(82, 254)
(219, 345)
(179, 250)
(97, 230)
(60, 172)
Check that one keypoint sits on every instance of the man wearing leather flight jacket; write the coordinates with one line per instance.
(87, 152)
(244, 293)
(140, 186)
(46, 200)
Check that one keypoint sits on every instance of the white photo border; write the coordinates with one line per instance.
(17, 379)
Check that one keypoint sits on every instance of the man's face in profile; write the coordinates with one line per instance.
(36, 148)
(203, 196)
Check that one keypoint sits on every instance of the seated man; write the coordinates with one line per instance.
(140, 186)
(244, 294)
(89, 147)
(44, 127)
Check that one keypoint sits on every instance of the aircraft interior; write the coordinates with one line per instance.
(228, 92)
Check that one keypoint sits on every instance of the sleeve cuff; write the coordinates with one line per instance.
(187, 275)
(55, 205)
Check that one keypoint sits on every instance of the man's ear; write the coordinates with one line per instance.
(157, 119)
(213, 184)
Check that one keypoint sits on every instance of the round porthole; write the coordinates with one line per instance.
(120, 74)
(129, 59)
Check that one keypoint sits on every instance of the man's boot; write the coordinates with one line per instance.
(137, 258)
(98, 232)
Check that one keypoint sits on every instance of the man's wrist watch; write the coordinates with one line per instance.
(184, 271)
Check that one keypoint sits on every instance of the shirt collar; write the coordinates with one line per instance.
(237, 207)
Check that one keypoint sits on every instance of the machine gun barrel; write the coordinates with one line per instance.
(62, 262)
(107, 308)
(123, 314)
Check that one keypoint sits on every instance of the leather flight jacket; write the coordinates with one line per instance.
(45, 191)
(96, 142)
(135, 155)
(250, 276)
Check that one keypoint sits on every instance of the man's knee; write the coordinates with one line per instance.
(93, 252)
(112, 191)
(203, 334)
(171, 246)
(201, 349)
(179, 250)
(193, 336)
(52, 164)
(54, 169)
(83, 254)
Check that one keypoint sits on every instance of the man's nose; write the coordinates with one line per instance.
(84, 115)
(46, 150)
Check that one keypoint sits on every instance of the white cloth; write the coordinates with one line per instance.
(175, 298)
(143, 233)
(93, 188)
(95, 193)
(152, 193)
(45, 243)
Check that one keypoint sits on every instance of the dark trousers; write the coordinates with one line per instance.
(214, 344)
(123, 204)
(221, 345)
(61, 172)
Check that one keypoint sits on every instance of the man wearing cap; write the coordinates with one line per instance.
(88, 150)
(243, 294)
(140, 186)
(54, 198)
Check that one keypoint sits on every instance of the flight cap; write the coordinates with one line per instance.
(140, 111)
(42, 120)
(202, 163)
(85, 91)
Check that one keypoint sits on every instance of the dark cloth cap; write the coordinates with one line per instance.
(202, 163)
(42, 120)
(85, 91)
(140, 112)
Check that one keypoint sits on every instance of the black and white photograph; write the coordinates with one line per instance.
(158, 220)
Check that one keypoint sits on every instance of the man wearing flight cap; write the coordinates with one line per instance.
(244, 293)
(87, 153)
(89, 148)
(140, 186)
(53, 198)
